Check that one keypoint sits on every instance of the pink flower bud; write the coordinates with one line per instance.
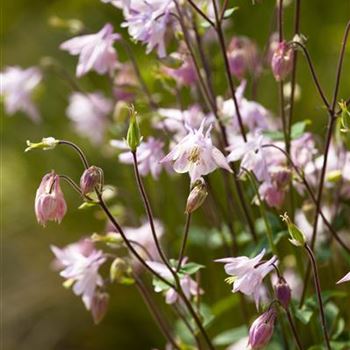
(91, 178)
(197, 196)
(283, 292)
(49, 201)
(99, 306)
(261, 330)
(282, 61)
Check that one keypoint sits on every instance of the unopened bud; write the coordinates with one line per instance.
(282, 61)
(344, 116)
(261, 330)
(297, 237)
(133, 137)
(283, 292)
(47, 143)
(197, 196)
(99, 306)
(91, 178)
(119, 269)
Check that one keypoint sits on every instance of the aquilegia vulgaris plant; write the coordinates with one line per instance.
(275, 194)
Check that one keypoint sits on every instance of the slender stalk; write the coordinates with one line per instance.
(155, 312)
(294, 330)
(70, 182)
(201, 13)
(184, 241)
(318, 292)
(78, 150)
(227, 69)
(162, 255)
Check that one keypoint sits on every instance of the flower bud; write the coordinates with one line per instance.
(297, 237)
(261, 330)
(118, 270)
(282, 61)
(99, 306)
(283, 292)
(197, 196)
(50, 204)
(133, 137)
(91, 178)
(47, 143)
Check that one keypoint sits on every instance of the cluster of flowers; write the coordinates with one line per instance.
(237, 135)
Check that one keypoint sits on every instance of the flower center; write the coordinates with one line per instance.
(194, 155)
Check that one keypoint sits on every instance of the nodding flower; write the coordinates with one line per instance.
(50, 204)
(282, 61)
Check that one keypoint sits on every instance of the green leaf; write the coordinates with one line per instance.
(87, 205)
(191, 268)
(225, 304)
(230, 11)
(299, 128)
(274, 135)
(230, 336)
(159, 286)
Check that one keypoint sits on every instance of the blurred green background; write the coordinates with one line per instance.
(39, 314)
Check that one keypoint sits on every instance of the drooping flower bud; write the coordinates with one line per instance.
(133, 137)
(282, 61)
(297, 237)
(99, 306)
(197, 196)
(283, 292)
(47, 143)
(50, 204)
(261, 330)
(91, 178)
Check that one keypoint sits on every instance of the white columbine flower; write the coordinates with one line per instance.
(79, 264)
(96, 51)
(17, 86)
(346, 278)
(149, 153)
(89, 114)
(196, 154)
(248, 274)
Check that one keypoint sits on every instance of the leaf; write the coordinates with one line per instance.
(230, 336)
(230, 11)
(299, 128)
(159, 285)
(225, 304)
(304, 314)
(87, 205)
(191, 268)
(274, 135)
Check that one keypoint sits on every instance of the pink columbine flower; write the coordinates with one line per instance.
(261, 330)
(17, 86)
(149, 154)
(253, 156)
(242, 55)
(248, 273)
(79, 263)
(50, 204)
(89, 114)
(282, 61)
(95, 51)
(346, 278)
(147, 21)
(188, 285)
(196, 154)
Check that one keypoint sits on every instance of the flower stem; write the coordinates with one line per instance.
(158, 317)
(78, 150)
(184, 241)
(318, 292)
(294, 330)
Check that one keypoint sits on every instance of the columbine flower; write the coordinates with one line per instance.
(95, 51)
(147, 21)
(17, 86)
(188, 285)
(242, 56)
(89, 114)
(261, 330)
(254, 115)
(196, 155)
(149, 153)
(175, 120)
(90, 178)
(346, 278)
(248, 274)
(79, 264)
(283, 292)
(253, 156)
(49, 201)
(282, 61)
